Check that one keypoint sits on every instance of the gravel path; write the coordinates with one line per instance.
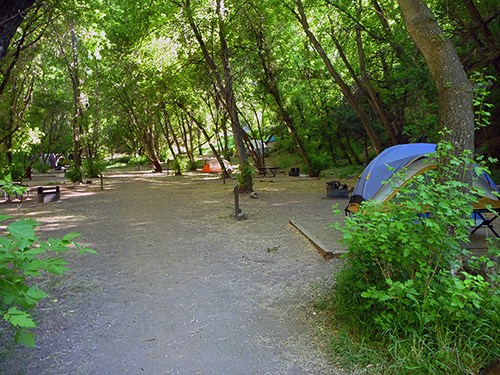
(179, 286)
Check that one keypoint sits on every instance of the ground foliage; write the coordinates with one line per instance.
(23, 257)
(409, 286)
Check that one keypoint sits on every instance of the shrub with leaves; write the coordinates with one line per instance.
(24, 256)
(11, 189)
(409, 281)
(74, 174)
(245, 177)
(93, 167)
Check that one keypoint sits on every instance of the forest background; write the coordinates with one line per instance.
(332, 82)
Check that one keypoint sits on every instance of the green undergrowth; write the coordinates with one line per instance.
(285, 160)
(24, 257)
(410, 298)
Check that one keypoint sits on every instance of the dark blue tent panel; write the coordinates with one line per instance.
(375, 181)
(388, 162)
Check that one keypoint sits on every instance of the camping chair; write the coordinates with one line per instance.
(484, 206)
(353, 206)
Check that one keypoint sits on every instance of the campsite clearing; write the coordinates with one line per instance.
(179, 286)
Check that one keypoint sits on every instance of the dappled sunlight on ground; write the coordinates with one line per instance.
(59, 223)
(69, 194)
(145, 223)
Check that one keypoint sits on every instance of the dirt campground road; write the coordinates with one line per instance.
(179, 286)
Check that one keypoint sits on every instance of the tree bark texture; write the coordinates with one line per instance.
(455, 92)
(12, 13)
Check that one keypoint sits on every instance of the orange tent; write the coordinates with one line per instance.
(213, 166)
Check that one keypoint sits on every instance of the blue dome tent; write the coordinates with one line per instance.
(378, 181)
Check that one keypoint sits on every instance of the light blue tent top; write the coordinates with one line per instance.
(392, 160)
(388, 162)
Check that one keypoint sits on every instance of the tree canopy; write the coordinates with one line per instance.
(332, 81)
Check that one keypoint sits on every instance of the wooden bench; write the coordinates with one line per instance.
(48, 194)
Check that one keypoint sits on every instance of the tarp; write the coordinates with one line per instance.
(377, 182)
(213, 166)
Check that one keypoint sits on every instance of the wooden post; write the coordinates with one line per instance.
(236, 192)
(102, 182)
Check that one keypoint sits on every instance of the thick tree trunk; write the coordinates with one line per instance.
(455, 93)
(12, 13)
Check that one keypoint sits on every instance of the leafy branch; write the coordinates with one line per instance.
(24, 256)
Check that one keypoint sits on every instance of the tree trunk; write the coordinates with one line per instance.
(166, 131)
(271, 85)
(229, 95)
(12, 13)
(374, 138)
(455, 95)
(225, 173)
(77, 110)
(373, 98)
(224, 83)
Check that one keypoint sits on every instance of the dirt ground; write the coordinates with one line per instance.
(180, 286)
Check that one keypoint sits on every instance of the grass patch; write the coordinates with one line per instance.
(345, 172)
(284, 160)
(349, 348)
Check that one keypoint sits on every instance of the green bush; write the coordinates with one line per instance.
(15, 170)
(122, 159)
(410, 283)
(190, 165)
(24, 256)
(138, 160)
(177, 166)
(245, 177)
(74, 174)
(40, 166)
(93, 167)
(11, 189)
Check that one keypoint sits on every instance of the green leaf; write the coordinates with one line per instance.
(88, 251)
(23, 229)
(25, 338)
(19, 318)
(71, 236)
(85, 250)
(35, 294)
(55, 266)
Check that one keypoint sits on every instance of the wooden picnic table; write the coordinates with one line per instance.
(266, 171)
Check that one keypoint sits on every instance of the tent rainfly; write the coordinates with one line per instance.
(377, 182)
(213, 166)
